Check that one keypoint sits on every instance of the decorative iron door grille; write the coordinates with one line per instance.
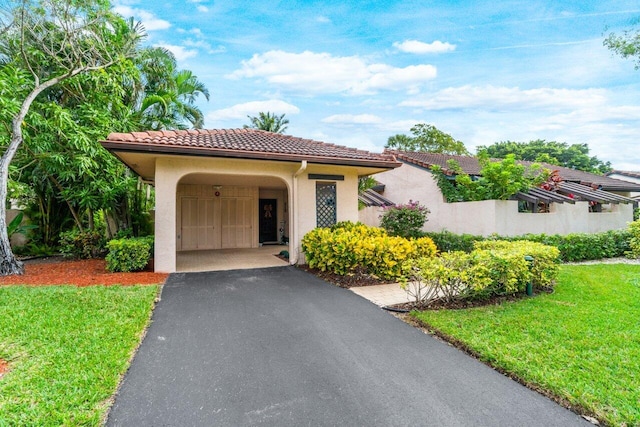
(325, 204)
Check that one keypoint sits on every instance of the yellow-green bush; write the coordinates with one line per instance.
(495, 267)
(508, 269)
(634, 242)
(350, 246)
(448, 277)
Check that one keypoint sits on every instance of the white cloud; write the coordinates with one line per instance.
(415, 46)
(148, 19)
(181, 53)
(353, 119)
(203, 9)
(500, 97)
(311, 72)
(323, 19)
(370, 121)
(241, 111)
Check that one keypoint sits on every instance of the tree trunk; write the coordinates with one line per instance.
(8, 262)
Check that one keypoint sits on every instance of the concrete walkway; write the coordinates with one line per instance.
(382, 295)
(230, 259)
(280, 347)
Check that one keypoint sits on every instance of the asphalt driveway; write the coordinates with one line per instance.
(279, 347)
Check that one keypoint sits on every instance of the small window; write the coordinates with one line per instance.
(325, 204)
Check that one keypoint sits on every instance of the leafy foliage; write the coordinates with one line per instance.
(575, 156)
(348, 247)
(626, 45)
(573, 247)
(447, 277)
(129, 254)
(427, 138)
(82, 244)
(404, 220)
(499, 180)
(510, 272)
(493, 268)
(269, 122)
(634, 241)
(17, 227)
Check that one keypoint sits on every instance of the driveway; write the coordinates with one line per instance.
(280, 347)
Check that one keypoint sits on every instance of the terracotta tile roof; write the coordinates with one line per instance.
(244, 143)
(471, 166)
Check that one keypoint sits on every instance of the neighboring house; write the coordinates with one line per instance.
(240, 188)
(584, 202)
(628, 176)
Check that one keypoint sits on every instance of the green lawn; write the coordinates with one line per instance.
(67, 348)
(582, 343)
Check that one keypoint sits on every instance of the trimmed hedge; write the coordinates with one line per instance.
(572, 247)
(347, 247)
(126, 255)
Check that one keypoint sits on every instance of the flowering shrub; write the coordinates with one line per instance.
(404, 220)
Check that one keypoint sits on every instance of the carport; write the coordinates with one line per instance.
(230, 259)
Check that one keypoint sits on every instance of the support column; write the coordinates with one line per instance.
(166, 183)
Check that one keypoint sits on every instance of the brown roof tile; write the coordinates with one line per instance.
(471, 166)
(246, 143)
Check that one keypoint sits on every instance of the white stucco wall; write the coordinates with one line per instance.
(495, 216)
(370, 215)
(301, 196)
(628, 179)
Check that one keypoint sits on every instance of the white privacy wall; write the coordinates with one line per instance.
(491, 216)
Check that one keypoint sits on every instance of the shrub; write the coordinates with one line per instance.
(404, 220)
(573, 247)
(634, 241)
(127, 255)
(447, 241)
(347, 247)
(495, 267)
(447, 278)
(508, 269)
(83, 245)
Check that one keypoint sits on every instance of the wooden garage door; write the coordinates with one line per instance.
(237, 218)
(197, 230)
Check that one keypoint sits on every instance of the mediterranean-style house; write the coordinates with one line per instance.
(582, 202)
(241, 188)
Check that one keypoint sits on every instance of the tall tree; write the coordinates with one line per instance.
(427, 138)
(48, 42)
(626, 45)
(575, 156)
(167, 95)
(269, 122)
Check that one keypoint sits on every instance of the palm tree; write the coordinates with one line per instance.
(269, 122)
(167, 95)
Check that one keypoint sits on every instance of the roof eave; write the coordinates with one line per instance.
(115, 147)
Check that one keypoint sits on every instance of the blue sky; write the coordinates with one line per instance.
(356, 72)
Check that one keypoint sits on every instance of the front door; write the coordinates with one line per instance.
(268, 220)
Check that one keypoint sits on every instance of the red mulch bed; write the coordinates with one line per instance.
(87, 272)
(347, 281)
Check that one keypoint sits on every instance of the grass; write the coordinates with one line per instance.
(581, 343)
(67, 348)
